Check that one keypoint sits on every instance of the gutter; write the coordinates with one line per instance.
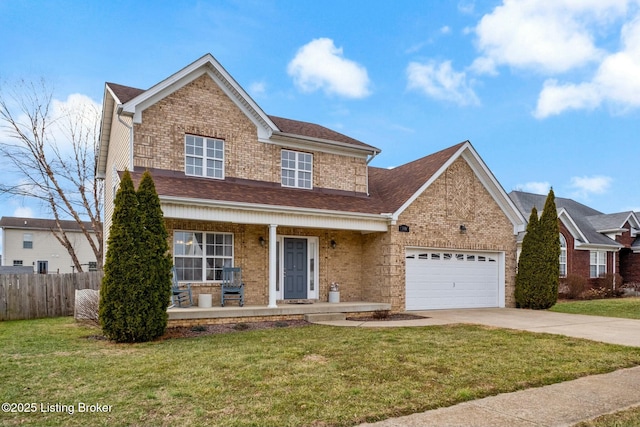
(369, 160)
(119, 113)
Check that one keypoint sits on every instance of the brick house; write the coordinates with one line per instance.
(297, 206)
(593, 244)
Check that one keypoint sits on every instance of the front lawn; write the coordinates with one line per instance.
(628, 308)
(627, 418)
(312, 375)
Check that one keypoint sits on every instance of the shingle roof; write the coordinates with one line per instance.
(312, 130)
(40, 224)
(293, 127)
(389, 189)
(125, 93)
(395, 186)
(609, 221)
(579, 213)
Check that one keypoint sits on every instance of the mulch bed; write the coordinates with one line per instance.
(390, 317)
(204, 330)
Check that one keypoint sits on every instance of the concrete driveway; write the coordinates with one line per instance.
(605, 329)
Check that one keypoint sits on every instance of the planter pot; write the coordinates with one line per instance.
(334, 296)
(204, 300)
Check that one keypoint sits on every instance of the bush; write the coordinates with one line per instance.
(381, 314)
(137, 273)
(611, 284)
(574, 286)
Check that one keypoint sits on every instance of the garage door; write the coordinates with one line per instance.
(439, 279)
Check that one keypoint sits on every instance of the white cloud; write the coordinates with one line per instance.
(584, 186)
(442, 82)
(549, 36)
(23, 212)
(535, 187)
(321, 65)
(258, 88)
(466, 6)
(555, 98)
(616, 81)
(445, 30)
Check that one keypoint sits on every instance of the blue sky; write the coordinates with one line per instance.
(548, 92)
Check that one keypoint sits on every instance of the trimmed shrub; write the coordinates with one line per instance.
(137, 272)
(538, 267)
(156, 286)
(574, 286)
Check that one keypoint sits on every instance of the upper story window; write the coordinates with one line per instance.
(93, 266)
(597, 263)
(563, 256)
(27, 241)
(204, 157)
(297, 169)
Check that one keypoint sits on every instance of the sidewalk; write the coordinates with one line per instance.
(562, 404)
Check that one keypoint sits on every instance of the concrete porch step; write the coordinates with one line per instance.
(324, 317)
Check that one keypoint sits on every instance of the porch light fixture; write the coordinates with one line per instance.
(333, 244)
(262, 241)
(463, 229)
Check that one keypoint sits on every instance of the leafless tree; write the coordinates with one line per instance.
(50, 148)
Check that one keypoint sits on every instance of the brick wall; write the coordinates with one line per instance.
(342, 264)
(456, 197)
(202, 108)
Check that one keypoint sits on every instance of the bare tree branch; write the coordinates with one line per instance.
(53, 155)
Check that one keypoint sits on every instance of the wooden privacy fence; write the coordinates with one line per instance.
(30, 296)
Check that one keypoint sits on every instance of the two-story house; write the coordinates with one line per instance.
(592, 243)
(29, 245)
(297, 206)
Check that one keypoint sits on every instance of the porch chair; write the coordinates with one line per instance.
(180, 293)
(232, 288)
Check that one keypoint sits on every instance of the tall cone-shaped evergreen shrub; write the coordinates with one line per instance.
(538, 267)
(550, 268)
(136, 285)
(157, 282)
(527, 278)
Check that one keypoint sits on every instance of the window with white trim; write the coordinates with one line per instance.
(597, 263)
(27, 241)
(563, 256)
(204, 156)
(17, 262)
(200, 256)
(297, 169)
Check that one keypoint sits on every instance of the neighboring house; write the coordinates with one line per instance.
(297, 206)
(592, 243)
(29, 243)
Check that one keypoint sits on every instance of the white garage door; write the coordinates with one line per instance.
(439, 279)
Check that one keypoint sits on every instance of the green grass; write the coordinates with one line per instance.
(628, 308)
(628, 418)
(315, 375)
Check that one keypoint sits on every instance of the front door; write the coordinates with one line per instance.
(295, 268)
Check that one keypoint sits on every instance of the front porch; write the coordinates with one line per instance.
(191, 316)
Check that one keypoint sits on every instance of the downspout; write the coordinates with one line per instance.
(373, 156)
(119, 112)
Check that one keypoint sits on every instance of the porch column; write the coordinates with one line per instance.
(272, 265)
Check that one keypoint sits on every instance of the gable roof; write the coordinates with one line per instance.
(578, 218)
(10, 222)
(132, 102)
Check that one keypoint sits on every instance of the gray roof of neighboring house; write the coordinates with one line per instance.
(586, 219)
(40, 224)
